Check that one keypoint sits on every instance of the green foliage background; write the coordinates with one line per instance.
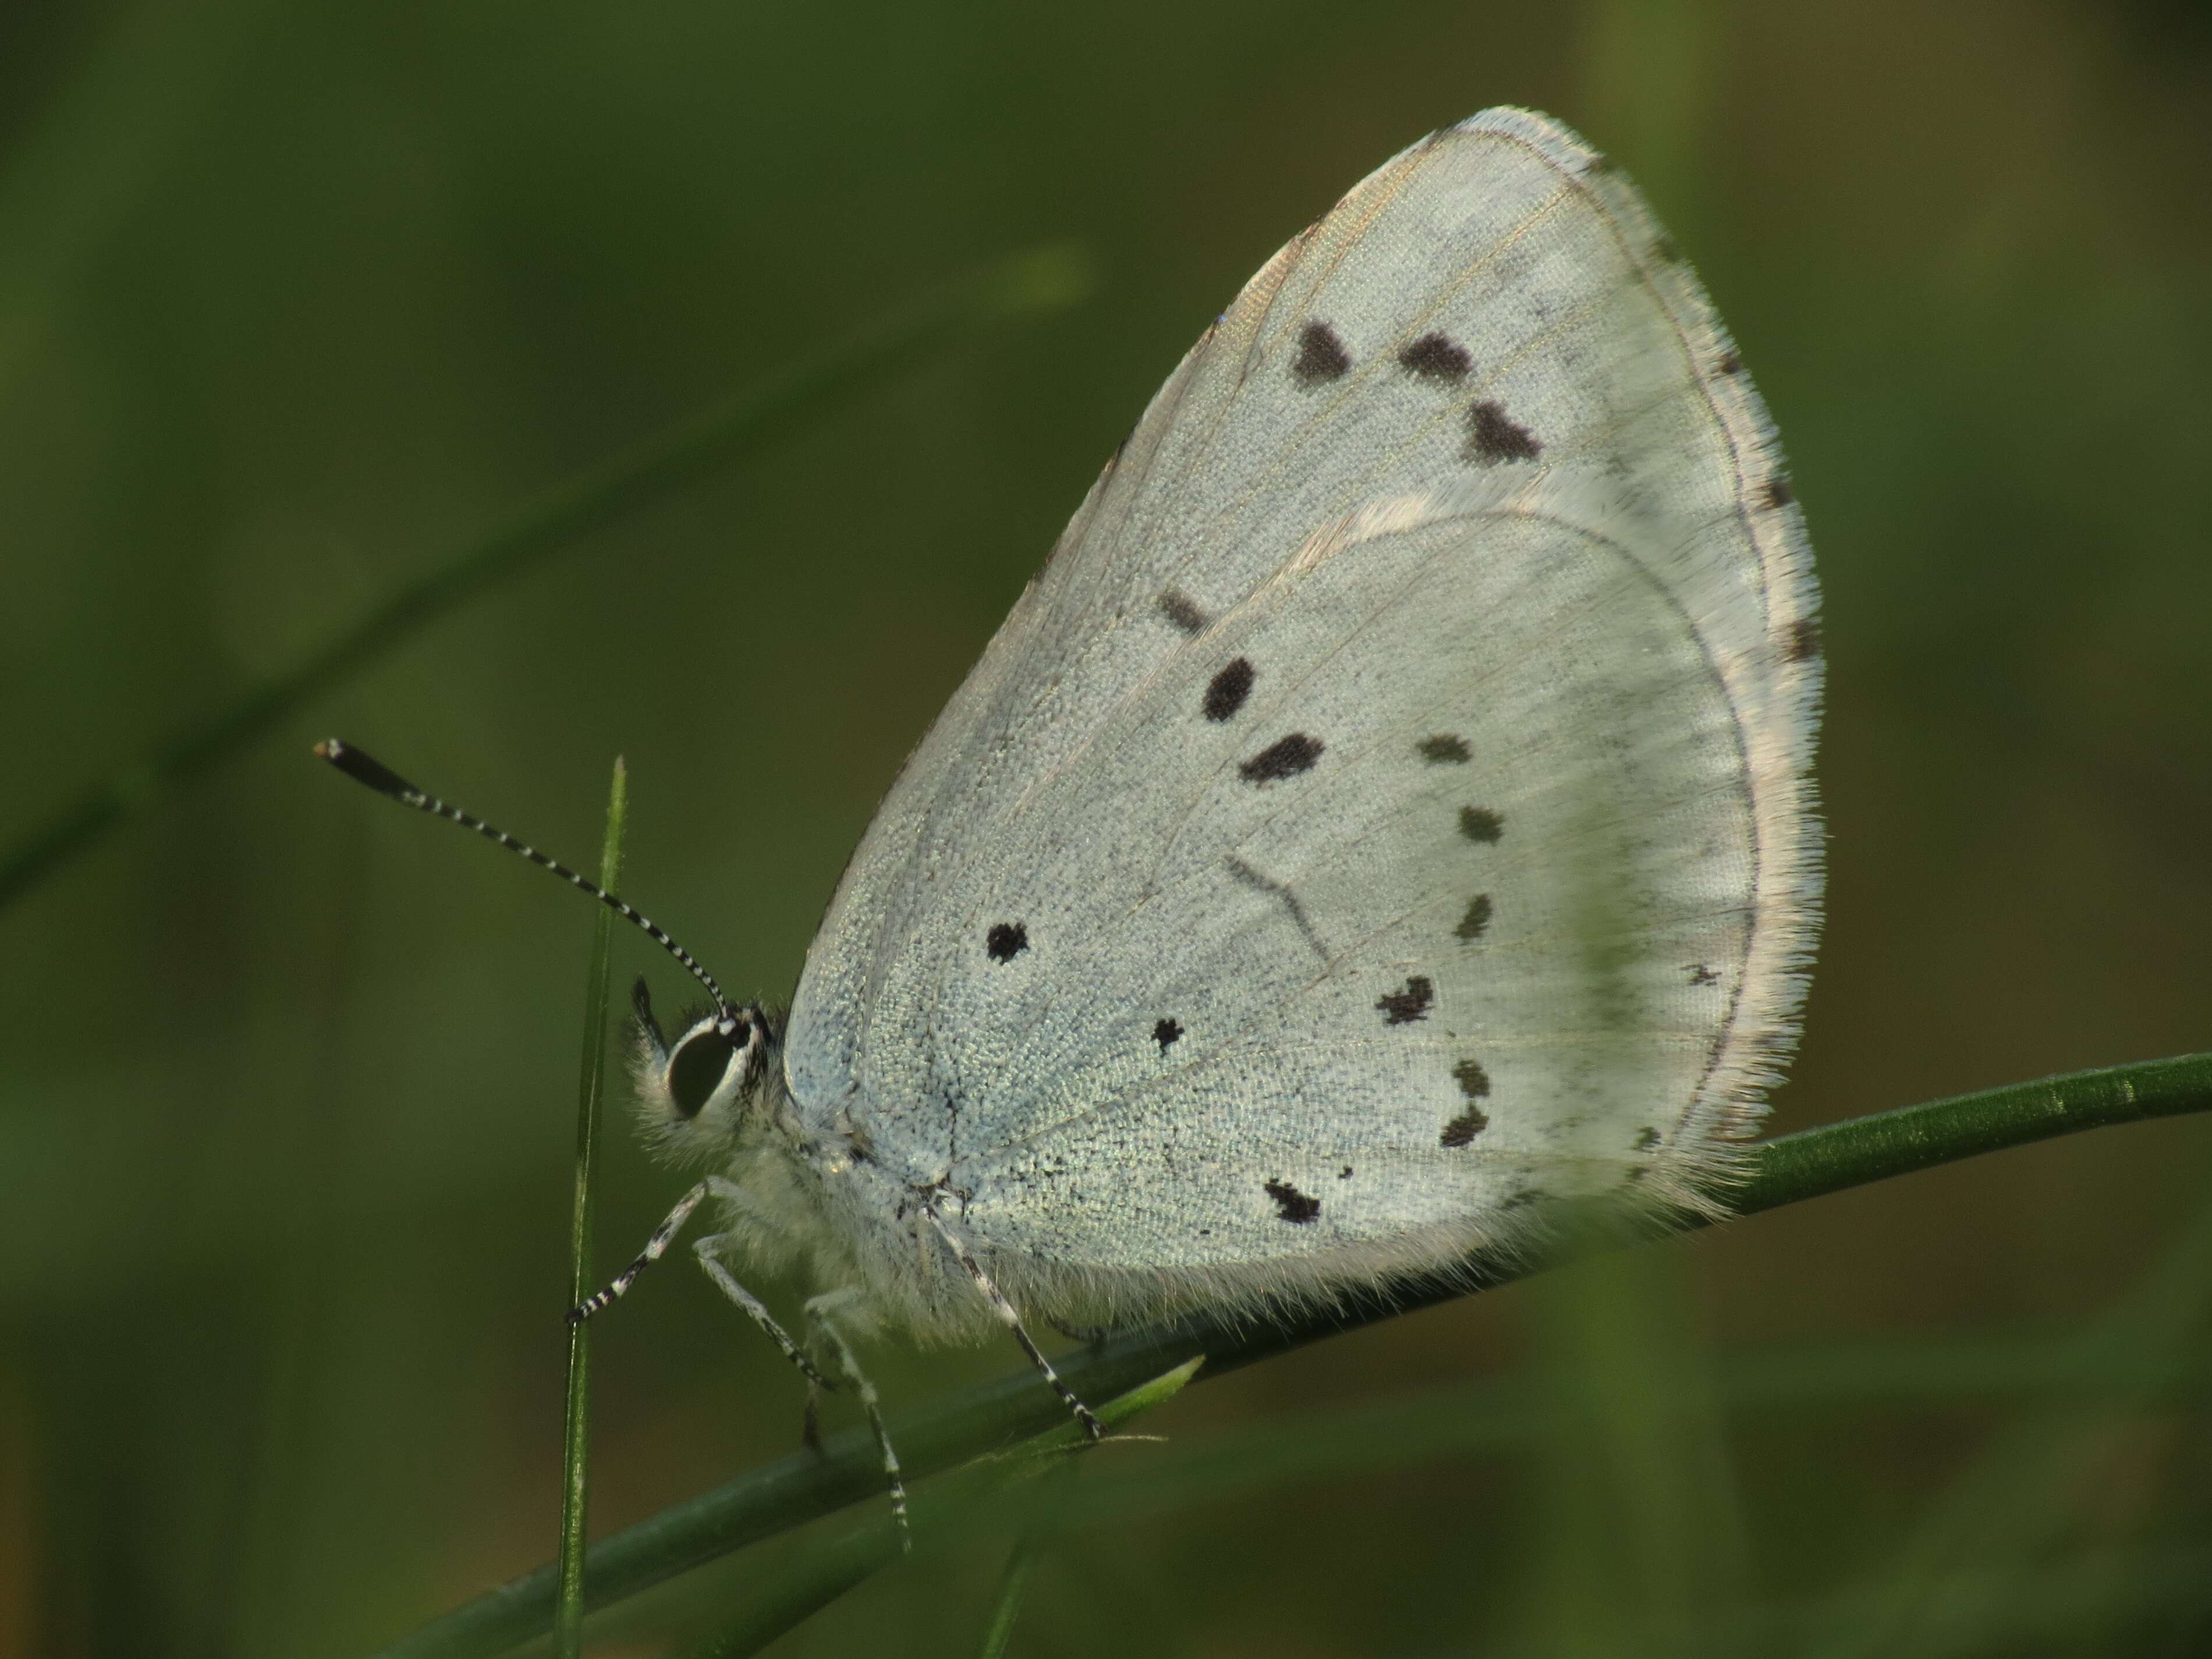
(292, 298)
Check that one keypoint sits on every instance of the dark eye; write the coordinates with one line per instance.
(699, 1063)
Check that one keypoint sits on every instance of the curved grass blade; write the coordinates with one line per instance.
(1040, 279)
(800, 1488)
(851, 1560)
(591, 1090)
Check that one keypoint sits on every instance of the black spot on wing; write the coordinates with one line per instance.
(1344, 1174)
(1179, 608)
(1283, 758)
(1290, 1204)
(1007, 940)
(1472, 925)
(1804, 642)
(1646, 1139)
(1780, 492)
(1321, 355)
(1474, 1083)
(1433, 357)
(1481, 823)
(1444, 750)
(1494, 437)
(1464, 1127)
(1702, 975)
(1165, 1034)
(1730, 363)
(1665, 251)
(1226, 693)
(1409, 1002)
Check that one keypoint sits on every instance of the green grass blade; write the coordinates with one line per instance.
(1884, 1145)
(1636, 1516)
(1038, 1529)
(979, 1420)
(1013, 1587)
(591, 1090)
(1040, 279)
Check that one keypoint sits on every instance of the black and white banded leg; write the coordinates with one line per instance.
(655, 1246)
(708, 1250)
(1012, 1322)
(822, 1329)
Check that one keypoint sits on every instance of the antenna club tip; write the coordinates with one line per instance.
(362, 767)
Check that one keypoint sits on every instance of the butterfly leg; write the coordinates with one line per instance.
(655, 1246)
(1012, 1322)
(708, 1250)
(821, 1312)
(822, 1329)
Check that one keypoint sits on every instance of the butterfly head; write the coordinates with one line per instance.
(696, 1092)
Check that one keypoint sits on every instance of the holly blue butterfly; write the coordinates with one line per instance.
(1386, 815)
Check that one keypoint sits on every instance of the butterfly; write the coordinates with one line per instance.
(1387, 815)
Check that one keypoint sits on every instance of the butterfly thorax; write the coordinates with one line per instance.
(855, 1202)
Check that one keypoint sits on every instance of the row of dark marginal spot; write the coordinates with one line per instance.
(1492, 435)
(1478, 823)
(1412, 1001)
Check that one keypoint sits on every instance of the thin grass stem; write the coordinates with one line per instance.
(591, 1090)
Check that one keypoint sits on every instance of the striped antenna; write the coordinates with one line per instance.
(363, 767)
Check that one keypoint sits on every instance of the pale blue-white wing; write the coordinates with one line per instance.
(1390, 805)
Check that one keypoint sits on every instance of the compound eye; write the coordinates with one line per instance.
(700, 1062)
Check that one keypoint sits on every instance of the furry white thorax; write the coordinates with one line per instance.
(815, 1197)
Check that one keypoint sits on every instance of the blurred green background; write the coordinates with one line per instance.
(293, 298)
